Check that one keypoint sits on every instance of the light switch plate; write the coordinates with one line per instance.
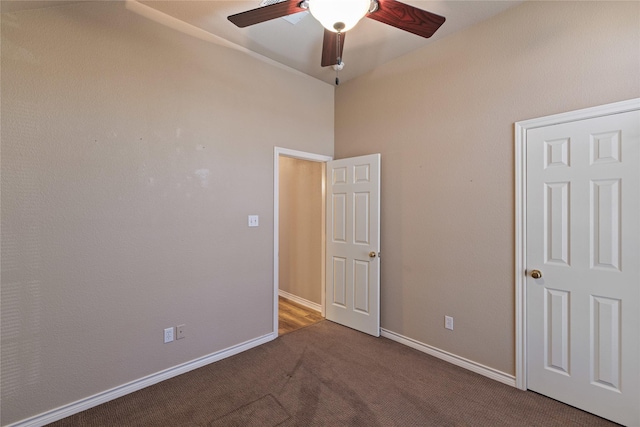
(253, 221)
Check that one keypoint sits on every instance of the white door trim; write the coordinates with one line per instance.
(277, 152)
(521, 129)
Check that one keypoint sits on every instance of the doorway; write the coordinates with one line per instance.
(299, 249)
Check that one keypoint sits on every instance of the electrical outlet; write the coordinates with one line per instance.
(180, 332)
(448, 322)
(168, 335)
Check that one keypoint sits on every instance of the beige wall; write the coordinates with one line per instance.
(300, 228)
(443, 119)
(131, 157)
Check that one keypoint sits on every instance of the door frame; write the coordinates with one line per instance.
(521, 129)
(302, 155)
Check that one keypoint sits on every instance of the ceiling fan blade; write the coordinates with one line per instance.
(266, 13)
(329, 53)
(408, 18)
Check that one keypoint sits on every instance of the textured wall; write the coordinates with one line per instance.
(443, 119)
(131, 157)
(301, 228)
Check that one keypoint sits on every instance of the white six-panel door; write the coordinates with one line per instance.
(583, 239)
(353, 243)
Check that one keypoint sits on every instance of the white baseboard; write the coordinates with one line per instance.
(301, 301)
(478, 368)
(114, 393)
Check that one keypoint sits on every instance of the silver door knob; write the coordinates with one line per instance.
(536, 274)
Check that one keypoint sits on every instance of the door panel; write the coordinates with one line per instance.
(583, 235)
(338, 291)
(353, 233)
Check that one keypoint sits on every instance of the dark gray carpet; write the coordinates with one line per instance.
(329, 375)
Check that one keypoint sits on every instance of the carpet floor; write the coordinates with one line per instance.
(329, 375)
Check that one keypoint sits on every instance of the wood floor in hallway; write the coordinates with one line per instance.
(292, 316)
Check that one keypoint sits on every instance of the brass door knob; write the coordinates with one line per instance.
(372, 254)
(536, 274)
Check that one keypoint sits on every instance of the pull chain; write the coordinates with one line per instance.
(337, 67)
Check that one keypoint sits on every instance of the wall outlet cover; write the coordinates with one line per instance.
(168, 335)
(448, 322)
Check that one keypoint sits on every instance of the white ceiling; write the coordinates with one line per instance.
(299, 45)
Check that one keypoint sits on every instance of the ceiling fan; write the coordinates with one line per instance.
(339, 16)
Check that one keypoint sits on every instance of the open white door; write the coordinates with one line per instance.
(583, 264)
(353, 243)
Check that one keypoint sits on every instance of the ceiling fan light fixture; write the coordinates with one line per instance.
(339, 15)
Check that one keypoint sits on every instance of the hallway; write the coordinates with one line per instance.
(292, 316)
